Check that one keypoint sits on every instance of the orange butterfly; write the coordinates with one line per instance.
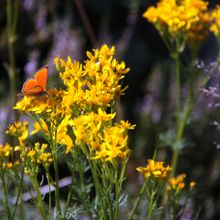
(37, 85)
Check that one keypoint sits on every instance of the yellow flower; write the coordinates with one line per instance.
(87, 127)
(8, 165)
(62, 134)
(105, 141)
(192, 185)
(50, 113)
(175, 16)
(199, 30)
(127, 125)
(113, 144)
(215, 27)
(40, 126)
(31, 153)
(176, 183)
(155, 169)
(6, 161)
(20, 130)
(38, 155)
(94, 84)
(80, 109)
(44, 104)
(7, 150)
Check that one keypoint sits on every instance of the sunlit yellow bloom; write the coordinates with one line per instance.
(113, 145)
(176, 16)
(50, 112)
(31, 153)
(126, 125)
(106, 142)
(87, 127)
(40, 126)
(17, 148)
(6, 162)
(8, 165)
(62, 134)
(199, 31)
(77, 114)
(176, 183)
(94, 84)
(38, 155)
(155, 169)
(215, 16)
(7, 150)
(43, 104)
(20, 130)
(192, 185)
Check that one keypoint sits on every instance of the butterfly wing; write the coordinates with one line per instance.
(31, 88)
(36, 86)
(41, 77)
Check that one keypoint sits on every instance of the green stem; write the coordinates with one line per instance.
(40, 202)
(94, 169)
(180, 129)
(151, 205)
(83, 183)
(96, 184)
(55, 165)
(5, 189)
(178, 88)
(105, 191)
(137, 200)
(118, 187)
(11, 28)
(49, 184)
(81, 173)
(57, 194)
(19, 192)
(175, 156)
(117, 193)
(67, 202)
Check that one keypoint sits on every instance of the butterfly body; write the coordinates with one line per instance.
(37, 85)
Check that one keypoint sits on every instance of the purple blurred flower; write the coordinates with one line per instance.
(213, 95)
(66, 42)
(32, 63)
(188, 211)
(208, 98)
(29, 4)
(40, 20)
(150, 105)
(5, 120)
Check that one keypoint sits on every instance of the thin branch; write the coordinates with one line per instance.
(87, 24)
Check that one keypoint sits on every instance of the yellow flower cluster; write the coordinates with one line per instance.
(38, 155)
(155, 169)
(176, 15)
(199, 31)
(53, 114)
(49, 104)
(11, 157)
(96, 83)
(77, 114)
(105, 141)
(61, 131)
(6, 154)
(19, 130)
(177, 183)
(215, 27)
